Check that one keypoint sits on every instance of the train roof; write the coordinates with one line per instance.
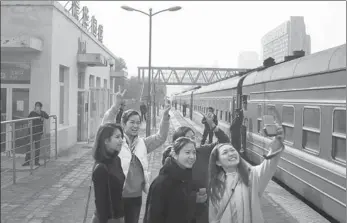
(221, 85)
(327, 60)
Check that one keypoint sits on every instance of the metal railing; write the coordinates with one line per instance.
(24, 141)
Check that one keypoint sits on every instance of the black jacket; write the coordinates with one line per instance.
(38, 123)
(200, 168)
(103, 174)
(171, 197)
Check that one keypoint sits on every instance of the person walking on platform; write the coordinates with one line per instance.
(143, 110)
(235, 187)
(108, 177)
(207, 130)
(36, 133)
(133, 156)
(184, 109)
(200, 168)
(171, 197)
(120, 113)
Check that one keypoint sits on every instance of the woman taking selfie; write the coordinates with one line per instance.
(171, 198)
(108, 177)
(134, 156)
(235, 187)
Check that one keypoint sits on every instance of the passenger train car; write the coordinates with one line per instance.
(308, 95)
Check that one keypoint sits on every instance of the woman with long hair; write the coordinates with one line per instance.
(200, 168)
(171, 198)
(134, 156)
(108, 177)
(235, 187)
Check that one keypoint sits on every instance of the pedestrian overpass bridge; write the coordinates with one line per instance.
(188, 75)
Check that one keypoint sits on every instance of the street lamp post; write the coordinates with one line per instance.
(150, 15)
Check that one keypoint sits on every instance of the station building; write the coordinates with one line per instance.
(48, 55)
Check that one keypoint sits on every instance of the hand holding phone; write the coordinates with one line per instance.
(270, 127)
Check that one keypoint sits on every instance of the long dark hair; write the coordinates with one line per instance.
(216, 184)
(105, 131)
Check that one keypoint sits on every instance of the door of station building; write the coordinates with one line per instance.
(14, 105)
(83, 115)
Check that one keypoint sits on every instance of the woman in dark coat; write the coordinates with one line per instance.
(171, 197)
(200, 168)
(108, 177)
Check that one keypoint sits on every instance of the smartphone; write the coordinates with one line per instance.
(202, 191)
(270, 128)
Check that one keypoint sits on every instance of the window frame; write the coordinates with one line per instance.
(309, 150)
(338, 135)
(286, 124)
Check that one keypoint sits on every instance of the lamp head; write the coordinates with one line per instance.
(127, 8)
(176, 8)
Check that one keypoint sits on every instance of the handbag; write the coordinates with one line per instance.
(95, 218)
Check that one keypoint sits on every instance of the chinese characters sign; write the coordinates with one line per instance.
(91, 25)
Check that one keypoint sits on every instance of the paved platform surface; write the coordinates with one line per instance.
(58, 192)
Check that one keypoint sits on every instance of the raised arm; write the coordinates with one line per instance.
(111, 114)
(154, 141)
(265, 171)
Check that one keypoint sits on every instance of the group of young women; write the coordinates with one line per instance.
(197, 184)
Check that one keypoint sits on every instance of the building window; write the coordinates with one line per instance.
(311, 129)
(63, 94)
(81, 80)
(288, 123)
(91, 81)
(339, 135)
(98, 82)
(105, 84)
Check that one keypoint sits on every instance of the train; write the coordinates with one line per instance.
(308, 94)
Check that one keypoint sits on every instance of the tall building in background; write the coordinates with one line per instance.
(286, 38)
(248, 59)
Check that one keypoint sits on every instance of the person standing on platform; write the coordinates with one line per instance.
(207, 129)
(143, 109)
(37, 132)
(133, 156)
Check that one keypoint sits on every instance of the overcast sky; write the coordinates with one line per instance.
(209, 33)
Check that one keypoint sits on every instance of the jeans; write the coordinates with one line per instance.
(132, 208)
(143, 116)
(208, 132)
(36, 140)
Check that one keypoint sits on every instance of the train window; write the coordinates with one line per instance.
(339, 135)
(311, 129)
(259, 119)
(288, 123)
(271, 110)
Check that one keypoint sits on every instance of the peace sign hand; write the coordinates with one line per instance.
(167, 110)
(119, 97)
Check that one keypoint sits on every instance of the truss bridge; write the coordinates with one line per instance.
(188, 75)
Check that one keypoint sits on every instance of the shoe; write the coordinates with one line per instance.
(37, 164)
(25, 164)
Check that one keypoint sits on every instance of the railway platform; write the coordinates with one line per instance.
(58, 193)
